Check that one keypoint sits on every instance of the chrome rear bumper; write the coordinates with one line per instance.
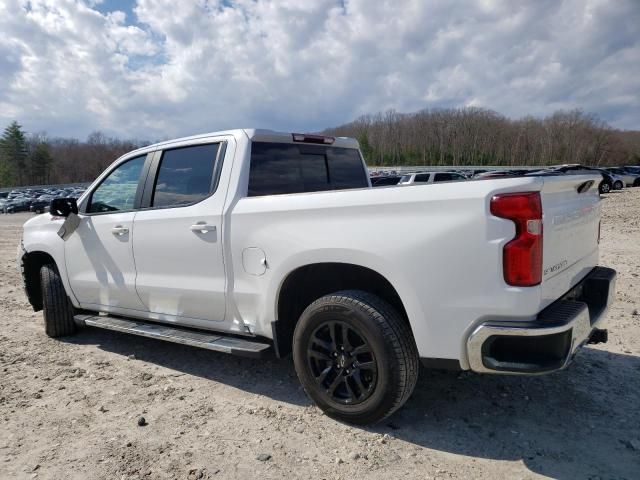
(549, 342)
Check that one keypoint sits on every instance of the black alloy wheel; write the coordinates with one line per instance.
(355, 356)
(342, 362)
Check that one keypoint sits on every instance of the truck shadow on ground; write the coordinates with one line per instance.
(583, 422)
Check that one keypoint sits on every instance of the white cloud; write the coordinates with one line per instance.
(184, 67)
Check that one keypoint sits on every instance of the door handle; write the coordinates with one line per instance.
(119, 230)
(202, 227)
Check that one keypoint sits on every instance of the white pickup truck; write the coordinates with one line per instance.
(254, 242)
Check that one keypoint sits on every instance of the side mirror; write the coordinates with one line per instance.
(63, 207)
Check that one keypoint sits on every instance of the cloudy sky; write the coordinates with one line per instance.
(164, 68)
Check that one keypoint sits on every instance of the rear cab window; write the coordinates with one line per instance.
(281, 168)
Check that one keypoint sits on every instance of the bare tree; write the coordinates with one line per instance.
(476, 136)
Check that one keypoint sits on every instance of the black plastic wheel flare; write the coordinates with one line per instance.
(342, 363)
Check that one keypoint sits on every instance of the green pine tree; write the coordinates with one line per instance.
(13, 155)
(41, 161)
(365, 148)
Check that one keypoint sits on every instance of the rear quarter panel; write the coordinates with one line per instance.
(436, 244)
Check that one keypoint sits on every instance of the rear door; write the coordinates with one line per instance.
(177, 241)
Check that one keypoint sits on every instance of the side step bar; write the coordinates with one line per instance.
(196, 338)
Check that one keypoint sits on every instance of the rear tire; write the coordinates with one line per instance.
(355, 356)
(604, 187)
(56, 306)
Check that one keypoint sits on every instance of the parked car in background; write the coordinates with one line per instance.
(485, 174)
(618, 180)
(36, 199)
(607, 183)
(385, 181)
(430, 177)
(41, 204)
(611, 181)
(629, 178)
(20, 204)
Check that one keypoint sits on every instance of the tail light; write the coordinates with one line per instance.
(522, 256)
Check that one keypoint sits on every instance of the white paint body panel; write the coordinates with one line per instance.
(180, 272)
(103, 270)
(438, 245)
(571, 225)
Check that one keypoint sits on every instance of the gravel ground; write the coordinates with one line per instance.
(70, 409)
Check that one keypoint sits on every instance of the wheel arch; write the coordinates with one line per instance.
(31, 264)
(306, 283)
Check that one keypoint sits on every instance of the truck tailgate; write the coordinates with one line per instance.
(571, 218)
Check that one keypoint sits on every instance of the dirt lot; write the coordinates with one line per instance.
(70, 409)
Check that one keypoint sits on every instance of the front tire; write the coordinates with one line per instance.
(57, 308)
(355, 356)
(617, 185)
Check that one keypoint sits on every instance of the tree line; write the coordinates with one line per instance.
(37, 159)
(458, 136)
(476, 136)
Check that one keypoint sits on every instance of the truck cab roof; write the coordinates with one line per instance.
(258, 135)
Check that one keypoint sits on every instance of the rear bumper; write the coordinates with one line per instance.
(549, 342)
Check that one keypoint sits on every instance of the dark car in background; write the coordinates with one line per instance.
(41, 204)
(36, 199)
(20, 204)
(385, 181)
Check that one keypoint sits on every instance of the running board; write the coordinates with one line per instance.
(196, 338)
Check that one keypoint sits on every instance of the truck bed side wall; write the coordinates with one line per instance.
(437, 245)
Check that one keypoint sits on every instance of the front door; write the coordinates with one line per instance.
(177, 240)
(99, 254)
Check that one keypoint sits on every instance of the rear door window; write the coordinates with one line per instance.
(185, 175)
(279, 168)
(422, 177)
